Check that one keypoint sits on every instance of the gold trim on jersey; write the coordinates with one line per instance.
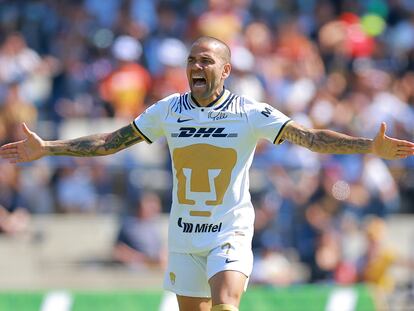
(278, 140)
(219, 100)
(140, 134)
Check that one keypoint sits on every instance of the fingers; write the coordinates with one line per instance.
(400, 144)
(8, 151)
(405, 149)
(403, 143)
(10, 146)
(11, 152)
(401, 149)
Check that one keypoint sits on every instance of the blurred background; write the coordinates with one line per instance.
(338, 226)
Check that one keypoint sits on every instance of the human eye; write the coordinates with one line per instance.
(207, 61)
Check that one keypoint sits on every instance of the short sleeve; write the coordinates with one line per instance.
(268, 122)
(149, 124)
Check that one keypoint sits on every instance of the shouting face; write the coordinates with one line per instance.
(208, 65)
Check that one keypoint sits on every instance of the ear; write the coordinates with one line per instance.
(226, 71)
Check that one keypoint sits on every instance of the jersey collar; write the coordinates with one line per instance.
(220, 99)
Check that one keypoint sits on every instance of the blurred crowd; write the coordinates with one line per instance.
(69, 67)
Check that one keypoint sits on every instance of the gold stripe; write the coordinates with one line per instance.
(139, 133)
(226, 94)
(278, 139)
(200, 213)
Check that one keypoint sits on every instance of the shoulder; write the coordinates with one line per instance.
(253, 107)
(249, 103)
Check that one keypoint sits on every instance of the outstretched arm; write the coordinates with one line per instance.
(326, 141)
(33, 147)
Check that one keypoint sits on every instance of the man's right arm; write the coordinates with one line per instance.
(94, 145)
(33, 147)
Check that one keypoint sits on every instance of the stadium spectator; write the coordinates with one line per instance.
(128, 84)
(273, 268)
(375, 264)
(221, 20)
(75, 192)
(14, 216)
(139, 242)
(170, 78)
(244, 80)
(17, 60)
(14, 110)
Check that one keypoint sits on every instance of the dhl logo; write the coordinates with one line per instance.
(216, 132)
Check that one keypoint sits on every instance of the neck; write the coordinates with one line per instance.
(205, 102)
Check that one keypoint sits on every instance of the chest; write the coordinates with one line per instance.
(207, 127)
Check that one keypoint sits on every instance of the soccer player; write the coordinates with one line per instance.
(211, 134)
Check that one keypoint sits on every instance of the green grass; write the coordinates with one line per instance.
(306, 297)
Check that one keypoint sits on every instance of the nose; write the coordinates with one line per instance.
(197, 65)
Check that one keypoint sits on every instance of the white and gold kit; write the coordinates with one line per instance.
(212, 150)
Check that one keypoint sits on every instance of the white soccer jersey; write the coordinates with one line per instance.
(211, 150)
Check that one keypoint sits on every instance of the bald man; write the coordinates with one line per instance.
(212, 134)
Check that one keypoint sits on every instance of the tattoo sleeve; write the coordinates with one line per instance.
(95, 145)
(326, 141)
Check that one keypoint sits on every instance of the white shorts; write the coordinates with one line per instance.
(188, 274)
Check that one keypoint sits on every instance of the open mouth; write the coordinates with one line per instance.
(199, 82)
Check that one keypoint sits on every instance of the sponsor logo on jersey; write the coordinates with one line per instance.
(231, 260)
(189, 227)
(179, 120)
(216, 132)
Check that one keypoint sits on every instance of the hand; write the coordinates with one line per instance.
(391, 148)
(29, 149)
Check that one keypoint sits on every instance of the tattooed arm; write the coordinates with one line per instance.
(326, 141)
(33, 147)
(94, 145)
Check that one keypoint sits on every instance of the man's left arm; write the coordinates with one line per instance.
(327, 141)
